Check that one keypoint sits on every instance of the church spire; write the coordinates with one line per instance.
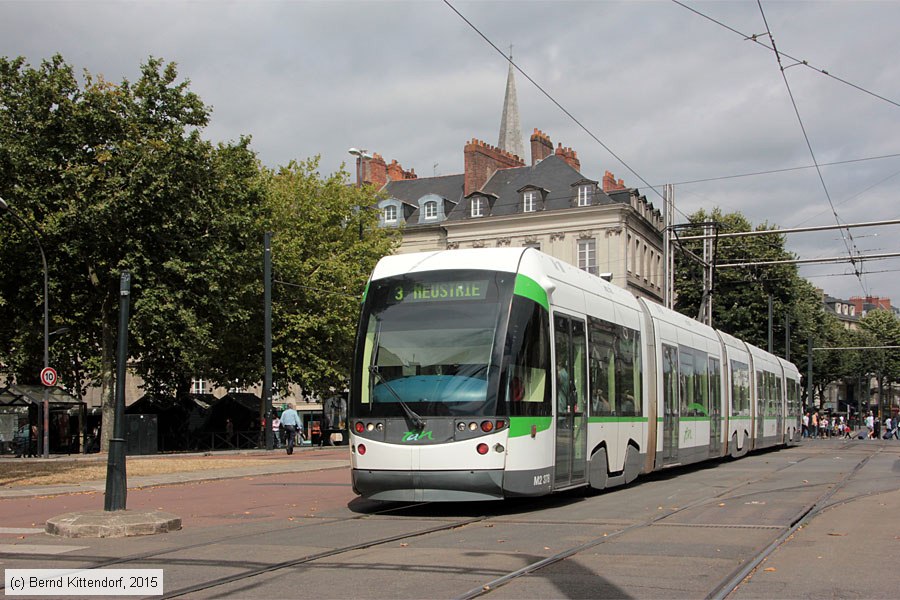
(510, 129)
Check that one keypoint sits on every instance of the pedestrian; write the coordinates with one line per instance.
(815, 424)
(290, 421)
(806, 424)
(229, 432)
(33, 444)
(20, 440)
(276, 431)
(870, 425)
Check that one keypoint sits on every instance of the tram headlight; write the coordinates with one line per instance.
(379, 426)
(473, 426)
(487, 426)
(482, 448)
(359, 427)
(360, 449)
(460, 426)
(370, 426)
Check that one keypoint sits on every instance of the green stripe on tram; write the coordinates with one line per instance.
(531, 289)
(521, 426)
(611, 419)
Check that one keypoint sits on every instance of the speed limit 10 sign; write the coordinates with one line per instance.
(48, 376)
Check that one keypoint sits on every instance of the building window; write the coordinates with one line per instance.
(198, 386)
(528, 204)
(584, 195)
(390, 214)
(430, 210)
(477, 207)
(587, 256)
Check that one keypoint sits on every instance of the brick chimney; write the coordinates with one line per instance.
(374, 171)
(610, 184)
(395, 172)
(482, 160)
(570, 156)
(541, 146)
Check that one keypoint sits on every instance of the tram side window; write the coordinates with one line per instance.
(694, 382)
(740, 389)
(528, 356)
(771, 394)
(615, 369)
(686, 381)
(701, 384)
(715, 386)
(776, 395)
(670, 377)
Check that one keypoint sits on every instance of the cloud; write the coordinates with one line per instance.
(675, 96)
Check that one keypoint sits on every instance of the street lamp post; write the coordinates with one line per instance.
(4, 208)
(360, 154)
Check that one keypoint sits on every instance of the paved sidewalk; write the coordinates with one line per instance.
(304, 459)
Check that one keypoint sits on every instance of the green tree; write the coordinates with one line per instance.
(740, 296)
(117, 177)
(881, 328)
(325, 244)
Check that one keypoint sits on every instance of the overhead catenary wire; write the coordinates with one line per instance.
(754, 38)
(816, 165)
(848, 241)
(783, 170)
(555, 101)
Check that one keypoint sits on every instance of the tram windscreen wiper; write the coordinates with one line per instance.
(417, 421)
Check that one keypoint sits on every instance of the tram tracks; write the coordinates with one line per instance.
(246, 570)
(456, 524)
(731, 582)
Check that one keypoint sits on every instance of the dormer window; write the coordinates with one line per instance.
(430, 209)
(528, 201)
(477, 207)
(390, 214)
(584, 195)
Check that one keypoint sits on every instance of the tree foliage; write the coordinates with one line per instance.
(117, 177)
(741, 295)
(325, 244)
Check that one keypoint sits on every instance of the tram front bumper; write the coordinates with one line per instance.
(428, 486)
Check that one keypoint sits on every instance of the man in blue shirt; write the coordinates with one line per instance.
(290, 421)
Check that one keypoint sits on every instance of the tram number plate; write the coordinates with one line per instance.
(542, 479)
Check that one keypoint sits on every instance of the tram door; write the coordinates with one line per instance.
(571, 400)
(670, 404)
(779, 409)
(715, 408)
(760, 407)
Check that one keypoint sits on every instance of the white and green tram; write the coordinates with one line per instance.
(495, 373)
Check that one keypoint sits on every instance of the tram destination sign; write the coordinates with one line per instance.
(442, 291)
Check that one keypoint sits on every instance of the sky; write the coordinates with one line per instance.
(654, 91)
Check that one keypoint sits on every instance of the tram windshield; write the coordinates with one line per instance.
(427, 344)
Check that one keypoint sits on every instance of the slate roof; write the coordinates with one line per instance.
(553, 175)
(408, 191)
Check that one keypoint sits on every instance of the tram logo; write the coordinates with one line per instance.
(413, 436)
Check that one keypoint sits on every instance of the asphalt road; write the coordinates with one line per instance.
(682, 533)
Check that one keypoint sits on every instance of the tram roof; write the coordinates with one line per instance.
(488, 259)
